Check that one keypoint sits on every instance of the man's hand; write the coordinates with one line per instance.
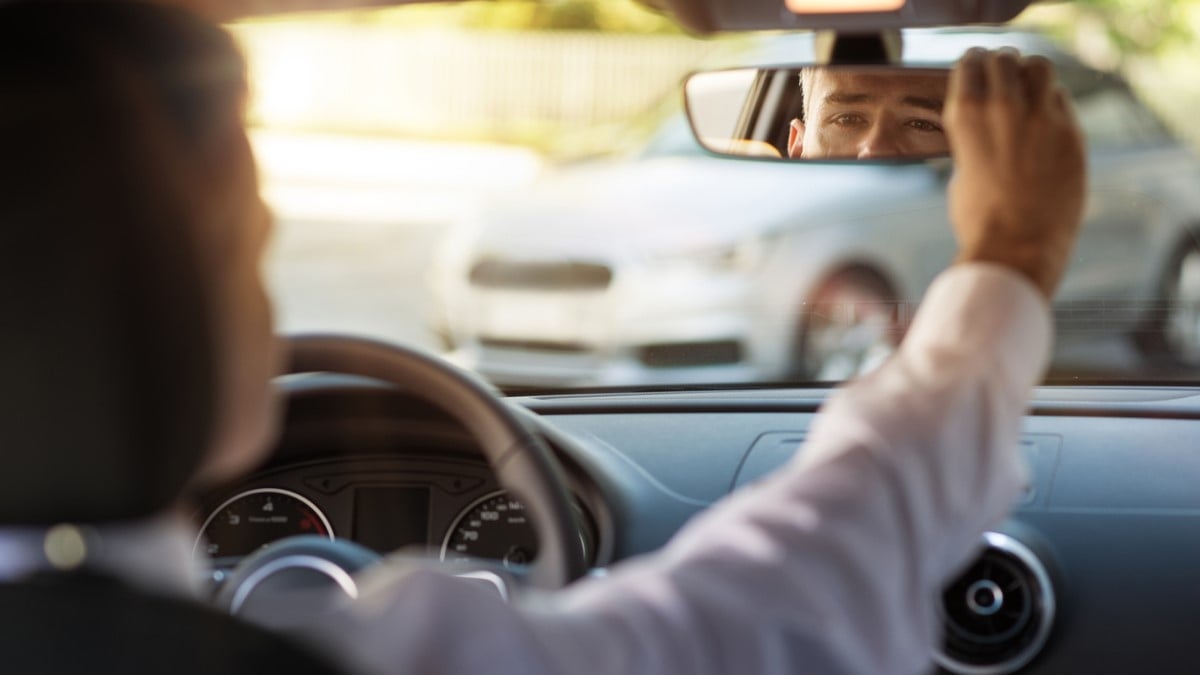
(1017, 195)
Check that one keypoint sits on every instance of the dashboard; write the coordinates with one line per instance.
(1094, 572)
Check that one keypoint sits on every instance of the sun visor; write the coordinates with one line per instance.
(714, 16)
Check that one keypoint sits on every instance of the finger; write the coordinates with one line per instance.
(1038, 76)
(967, 79)
(965, 95)
(1003, 76)
(1061, 103)
(1060, 100)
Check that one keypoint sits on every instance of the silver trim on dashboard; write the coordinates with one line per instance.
(1045, 599)
(490, 577)
(310, 562)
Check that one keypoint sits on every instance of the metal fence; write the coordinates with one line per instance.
(377, 79)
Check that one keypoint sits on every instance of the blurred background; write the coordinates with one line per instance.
(568, 77)
(381, 131)
(377, 130)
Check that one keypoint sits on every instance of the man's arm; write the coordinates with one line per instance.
(832, 565)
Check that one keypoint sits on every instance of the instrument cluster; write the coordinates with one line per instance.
(449, 509)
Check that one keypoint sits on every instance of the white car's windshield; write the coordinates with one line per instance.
(515, 185)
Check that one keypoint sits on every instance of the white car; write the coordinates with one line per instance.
(679, 267)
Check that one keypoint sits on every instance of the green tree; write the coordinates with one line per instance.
(620, 16)
(1115, 33)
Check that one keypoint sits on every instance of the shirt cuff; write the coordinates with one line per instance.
(985, 315)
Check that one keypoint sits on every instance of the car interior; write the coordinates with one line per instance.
(389, 451)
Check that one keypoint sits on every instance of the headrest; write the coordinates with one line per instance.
(106, 364)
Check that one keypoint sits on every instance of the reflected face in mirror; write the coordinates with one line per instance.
(867, 114)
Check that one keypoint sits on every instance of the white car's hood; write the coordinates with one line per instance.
(676, 205)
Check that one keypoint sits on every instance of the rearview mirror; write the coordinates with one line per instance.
(820, 112)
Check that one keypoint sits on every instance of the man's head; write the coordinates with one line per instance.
(868, 113)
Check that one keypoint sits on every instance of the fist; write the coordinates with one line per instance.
(1020, 172)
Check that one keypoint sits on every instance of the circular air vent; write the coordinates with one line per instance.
(998, 614)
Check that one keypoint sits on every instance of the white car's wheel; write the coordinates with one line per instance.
(850, 325)
(1172, 335)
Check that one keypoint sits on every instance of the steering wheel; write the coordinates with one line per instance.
(520, 459)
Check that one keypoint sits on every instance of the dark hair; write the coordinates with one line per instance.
(107, 377)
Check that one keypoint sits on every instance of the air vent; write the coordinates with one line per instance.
(998, 614)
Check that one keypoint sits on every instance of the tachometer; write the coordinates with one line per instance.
(255, 518)
(497, 527)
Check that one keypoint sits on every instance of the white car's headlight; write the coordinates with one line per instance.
(744, 256)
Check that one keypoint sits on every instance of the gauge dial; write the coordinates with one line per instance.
(256, 518)
(496, 527)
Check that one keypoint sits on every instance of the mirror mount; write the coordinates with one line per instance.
(858, 48)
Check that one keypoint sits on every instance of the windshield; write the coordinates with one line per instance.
(514, 185)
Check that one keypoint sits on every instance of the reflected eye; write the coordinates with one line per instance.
(923, 125)
(848, 120)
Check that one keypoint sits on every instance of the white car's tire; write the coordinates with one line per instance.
(849, 325)
(1171, 335)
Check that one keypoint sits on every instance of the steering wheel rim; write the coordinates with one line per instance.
(521, 460)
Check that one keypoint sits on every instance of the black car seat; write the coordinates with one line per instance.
(108, 400)
(80, 622)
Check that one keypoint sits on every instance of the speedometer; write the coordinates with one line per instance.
(256, 518)
(497, 527)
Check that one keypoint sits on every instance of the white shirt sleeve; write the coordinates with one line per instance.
(832, 565)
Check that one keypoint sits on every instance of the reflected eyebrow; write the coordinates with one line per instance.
(923, 102)
(845, 99)
(931, 104)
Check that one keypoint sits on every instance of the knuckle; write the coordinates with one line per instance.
(1004, 104)
(960, 110)
(1038, 72)
(1006, 57)
(1038, 61)
(974, 54)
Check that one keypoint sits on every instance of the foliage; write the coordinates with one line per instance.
(615, 16)
(1113, 33)
(1153, 43)
(1142, 27)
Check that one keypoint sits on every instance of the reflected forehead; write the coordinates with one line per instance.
(859, 85)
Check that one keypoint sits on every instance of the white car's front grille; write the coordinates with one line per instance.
(567, 275)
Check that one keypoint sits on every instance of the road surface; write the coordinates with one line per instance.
(357, 219)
